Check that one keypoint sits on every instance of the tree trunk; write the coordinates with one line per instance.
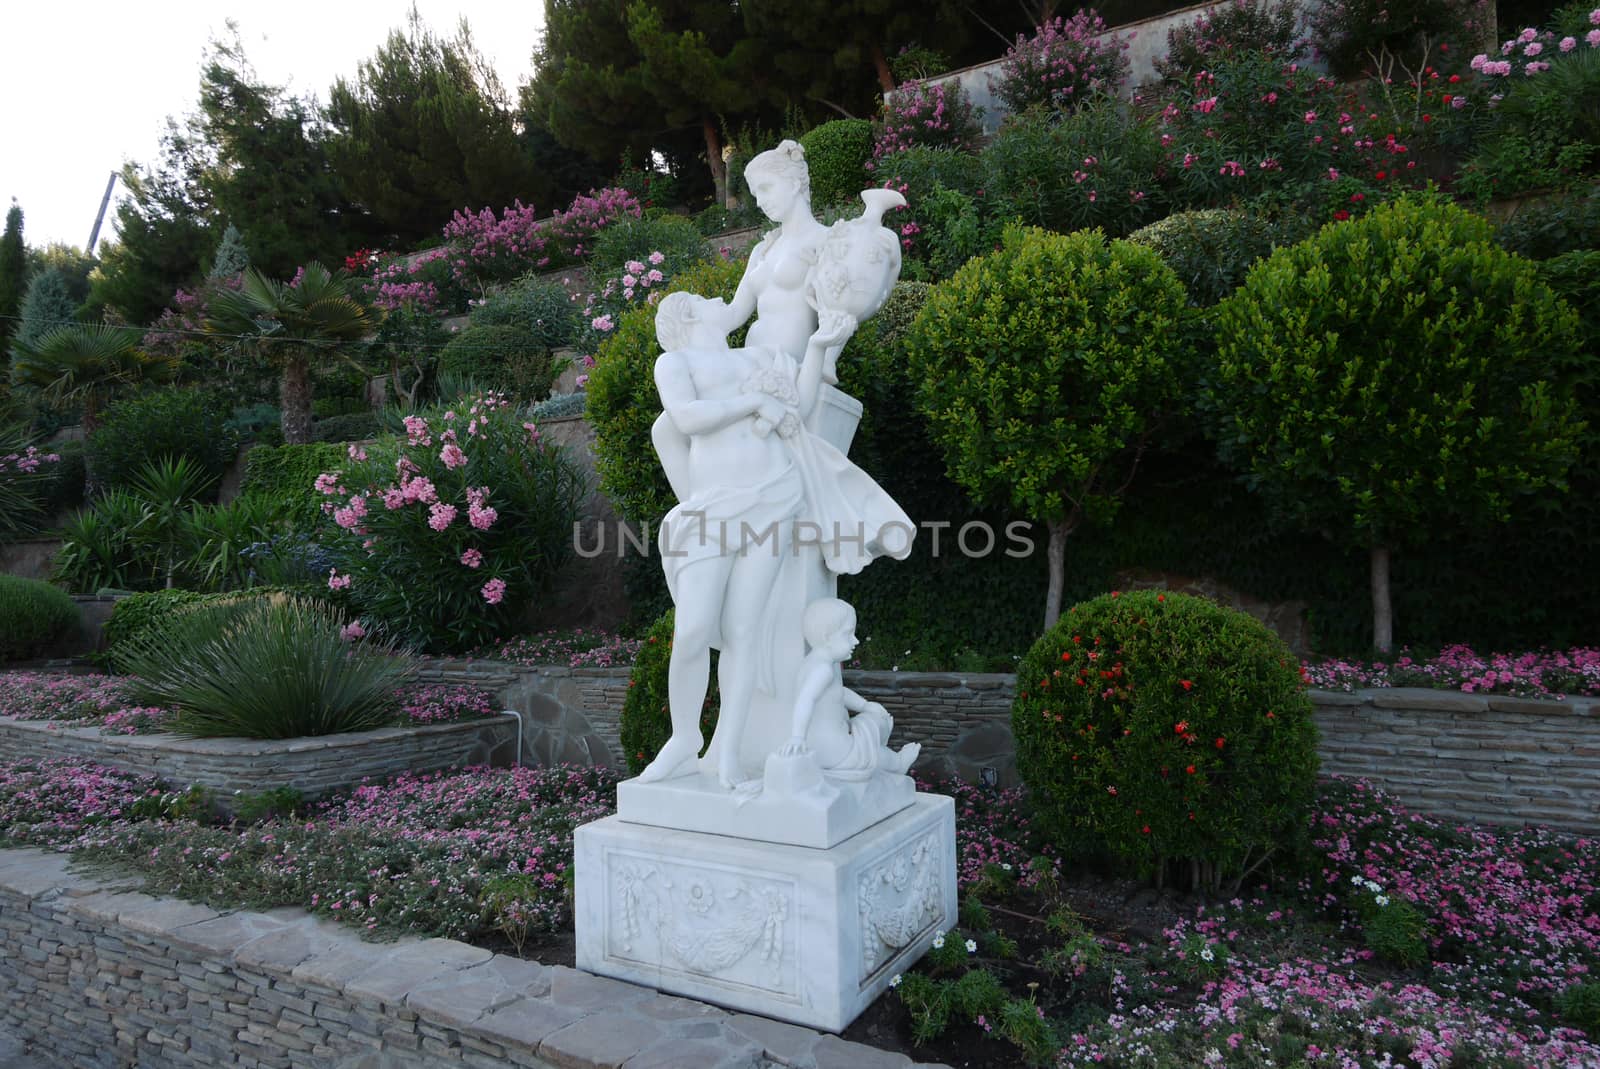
(881, 63)
(294, 401)
(719, 169)
(91, 422)
(1059, 530)
(1382, 610)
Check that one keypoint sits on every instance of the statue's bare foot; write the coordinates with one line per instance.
(678, 757)
(729, 774)
(906, 756)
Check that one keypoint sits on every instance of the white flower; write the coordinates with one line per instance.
(1207, 954)
(972, 946)
(1357, 880)
(1382, 900)
(1006, 865)
(938, 941)
(894, 981)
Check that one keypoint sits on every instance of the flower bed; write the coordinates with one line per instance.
(1542, 674)
(577, 648)
(1051, 963)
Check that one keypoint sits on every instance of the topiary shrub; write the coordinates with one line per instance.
(1211, 249)
(623, 403)
(646, 721)
(167, 423)
(289, 474)
(501, 358)
(1167, 732)
(350, 427)
(33, 614)
(837, 153)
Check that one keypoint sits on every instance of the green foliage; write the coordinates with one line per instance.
(675, 237)
(47, 305)
(1163, 729)
(646, 721)
(142, 616)
(258, 806)
(98, 550)
(1094, 167)
(1566, 222)
(286, 473)
(1210, 249)
(1022, 1024)
(1579, 1006)
(1353, 34)
(407, 342)
(87, 365)
(503, 358)
(1271, 27)
(1396, 930)
(507, 900)
(231, 257)
(425, 129)
(479, 539)
(543, 310)
(623, 403)
(13, 272)
(350, 427)
(168, 423)
(32, 616)
(1391, 373)
(263, 668)
(836, 154)
(918, 172)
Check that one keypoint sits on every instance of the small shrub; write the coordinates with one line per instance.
(257, 806)
(350, 427)
(507, 901)
(836, 154)
(646, 720)
(1579, 1006)
(499, 358)
(1163, 729)
(1569, 222)
(1353, 34)
(1067, 62)
(633, 240)
(1210, 250)
(33, 614)
(1271, 27)
(542, 310)
(167, 423)
(263, 668)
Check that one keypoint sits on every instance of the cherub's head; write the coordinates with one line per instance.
(829, 624)
(777, 177)
(683, 322)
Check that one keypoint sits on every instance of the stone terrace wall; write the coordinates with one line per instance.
(1474, 757)
(312, 766)
(98, 977)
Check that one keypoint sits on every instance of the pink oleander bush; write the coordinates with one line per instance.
(642, 282)
(930, 115)
(577, 648)
(1065, 63)
(496, 248)
(446, 535)
(443, 703)
(1543, 674)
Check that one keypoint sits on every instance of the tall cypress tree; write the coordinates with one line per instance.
(13, 269)
(47, 306)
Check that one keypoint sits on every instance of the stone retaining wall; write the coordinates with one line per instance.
(1474, 757)
(312, 766)
(101, 977)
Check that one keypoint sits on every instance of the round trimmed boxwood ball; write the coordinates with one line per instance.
(646, 720)
(33, 614)
(1167, 732)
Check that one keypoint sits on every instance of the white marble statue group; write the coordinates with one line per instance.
(770, 511)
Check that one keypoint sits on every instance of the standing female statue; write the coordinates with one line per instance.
(734, 441)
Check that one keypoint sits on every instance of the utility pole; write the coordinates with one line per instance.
(100, 216)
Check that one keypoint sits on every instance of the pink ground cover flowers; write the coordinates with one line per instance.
(1542, 674)
(86, 700)
(575, 648)
(46, 802)
(444, 703)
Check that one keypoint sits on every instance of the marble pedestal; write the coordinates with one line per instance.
(803, 935)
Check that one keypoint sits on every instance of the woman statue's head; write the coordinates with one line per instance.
(778, 177)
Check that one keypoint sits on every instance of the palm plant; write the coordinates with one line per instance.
(291, 321)
(87, 364)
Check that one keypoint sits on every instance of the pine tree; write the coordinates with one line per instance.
(13, 269)
(48, 305)
(231, 257)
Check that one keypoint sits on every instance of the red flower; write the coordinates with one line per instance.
(1180, 727)
(1145, 829)
(1186, 684)
(1357, 198)
(1111, 791)
(1190, 770)
(1382, 175)
(1454, 78)
(1220, 743)
(1066, 655)
(1161, 597)
(1340, 216)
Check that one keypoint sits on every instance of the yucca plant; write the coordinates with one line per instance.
(291, 322)
(99, 547)
(216, 537)
(170, 488)
(273, 667)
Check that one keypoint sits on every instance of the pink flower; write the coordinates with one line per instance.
(417, 431)
(1311, 116)
(328, 483)
(494, 591)
(420, 489)
(352, 630)
(1206, 106)
(602, 323)
(440, 515)
(1532, 48)
(394, 498)
(482, 517)
(471, 558)
(533, 431)
(337, 581)
(355, 452)
(655, 257)
(451, 456)
(1593, 37)
(1568, 44)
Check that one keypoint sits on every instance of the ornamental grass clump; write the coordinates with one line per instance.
(33, 614)
(265, 668)
(1167, 732)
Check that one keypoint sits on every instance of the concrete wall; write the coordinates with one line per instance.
(100, 977)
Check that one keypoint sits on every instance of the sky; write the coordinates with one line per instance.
(89, 85)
